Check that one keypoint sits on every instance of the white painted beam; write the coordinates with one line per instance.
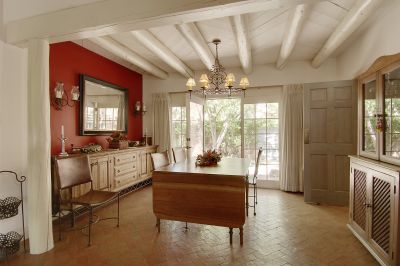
(194, 37)
(293, 29)
(239, 26)
(157, 47)
(361, 10)
(115, 16)
(121, 51)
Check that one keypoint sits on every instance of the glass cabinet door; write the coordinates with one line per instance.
(391, 101)
(369, 105)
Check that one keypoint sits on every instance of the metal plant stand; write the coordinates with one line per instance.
(10, 242)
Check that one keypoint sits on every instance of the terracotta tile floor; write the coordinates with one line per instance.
(286, 231)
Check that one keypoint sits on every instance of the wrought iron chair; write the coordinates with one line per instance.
(159, 159)
(253, 183)
(179, 154)
(74, 171)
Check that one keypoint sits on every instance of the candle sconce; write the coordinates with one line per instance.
(61, 99)
(140, 109)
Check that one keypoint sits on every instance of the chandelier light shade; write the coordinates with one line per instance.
(216, 81)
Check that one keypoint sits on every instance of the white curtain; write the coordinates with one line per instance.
(161, 121)
(292, 138)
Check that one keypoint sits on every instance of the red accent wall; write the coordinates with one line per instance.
(67, 61)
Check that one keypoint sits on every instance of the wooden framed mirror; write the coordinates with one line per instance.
(103, 108)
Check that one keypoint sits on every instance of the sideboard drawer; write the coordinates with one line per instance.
(125, 158)
(124, 169)
(125, 179)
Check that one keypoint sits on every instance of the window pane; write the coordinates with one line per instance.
(176, 113)
(249, 127)
(273, 141)
(273, 125)
(249, 111)
(261, 126)
(272, 156)
(249, 142)
(261, 110)
(272, 110)
(183, 117)
(273, 172)
(261, 141)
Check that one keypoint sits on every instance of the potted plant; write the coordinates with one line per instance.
(208, 158)
(118, 140)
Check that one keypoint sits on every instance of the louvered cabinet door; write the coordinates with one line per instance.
(382, 215)
(359, 199)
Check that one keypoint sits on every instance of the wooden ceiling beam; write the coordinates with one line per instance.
(157, 47)
(127, 54)
(194, 37)
(239, 26)
(115, 16)
(361, 10)
(293, 29)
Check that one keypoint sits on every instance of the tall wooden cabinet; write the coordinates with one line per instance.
(374, 173)
(112, 170)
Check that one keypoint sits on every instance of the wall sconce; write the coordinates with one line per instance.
(139, 108)
(58, 101)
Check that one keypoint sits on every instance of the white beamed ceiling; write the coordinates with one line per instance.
(265, 32)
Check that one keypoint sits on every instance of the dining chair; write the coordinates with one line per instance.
(75, 171)
(159, 159)
(253, 182)
(179, 154)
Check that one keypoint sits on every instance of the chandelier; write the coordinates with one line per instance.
(217, 82)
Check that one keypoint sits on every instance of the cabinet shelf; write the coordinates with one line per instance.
(9, 207)
(10, 242)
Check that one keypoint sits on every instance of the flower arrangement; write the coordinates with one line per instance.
(208, 158)
(118, 140)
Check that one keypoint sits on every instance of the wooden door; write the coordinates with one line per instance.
(359, 199)
(382, 218)
(143, 161)
(330, 123)
(103, 182)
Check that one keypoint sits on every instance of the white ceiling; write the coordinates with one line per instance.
(265, 32)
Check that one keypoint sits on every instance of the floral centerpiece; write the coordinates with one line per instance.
(208, 158)
(118, 140)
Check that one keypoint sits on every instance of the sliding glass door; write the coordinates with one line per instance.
(237, 127)
(195, 125)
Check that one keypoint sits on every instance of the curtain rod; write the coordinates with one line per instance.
(248, 88)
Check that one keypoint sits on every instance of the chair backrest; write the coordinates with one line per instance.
(159, 159)
(257, 162)
(73, 171)
(179, 154)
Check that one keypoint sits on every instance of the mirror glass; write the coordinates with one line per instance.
(103, 107)
(391, 88)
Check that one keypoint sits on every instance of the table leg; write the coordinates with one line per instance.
(241, 235)
(158, 225)
(230, 235)
(247, 195)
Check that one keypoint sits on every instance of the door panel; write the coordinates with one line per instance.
(330, 124)
(195, 123)
(381, 213)
(360, 199)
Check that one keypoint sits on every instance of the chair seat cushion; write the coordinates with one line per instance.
(94, 197)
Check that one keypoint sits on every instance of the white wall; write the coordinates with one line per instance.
(380, 36)
(13, 125)
(263, 75)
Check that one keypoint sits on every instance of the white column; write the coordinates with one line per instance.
(39, 175)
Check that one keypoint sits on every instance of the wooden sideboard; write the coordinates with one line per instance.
(374, 207)
(112, 170)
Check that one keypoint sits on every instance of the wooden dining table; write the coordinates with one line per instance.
(212, 195)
